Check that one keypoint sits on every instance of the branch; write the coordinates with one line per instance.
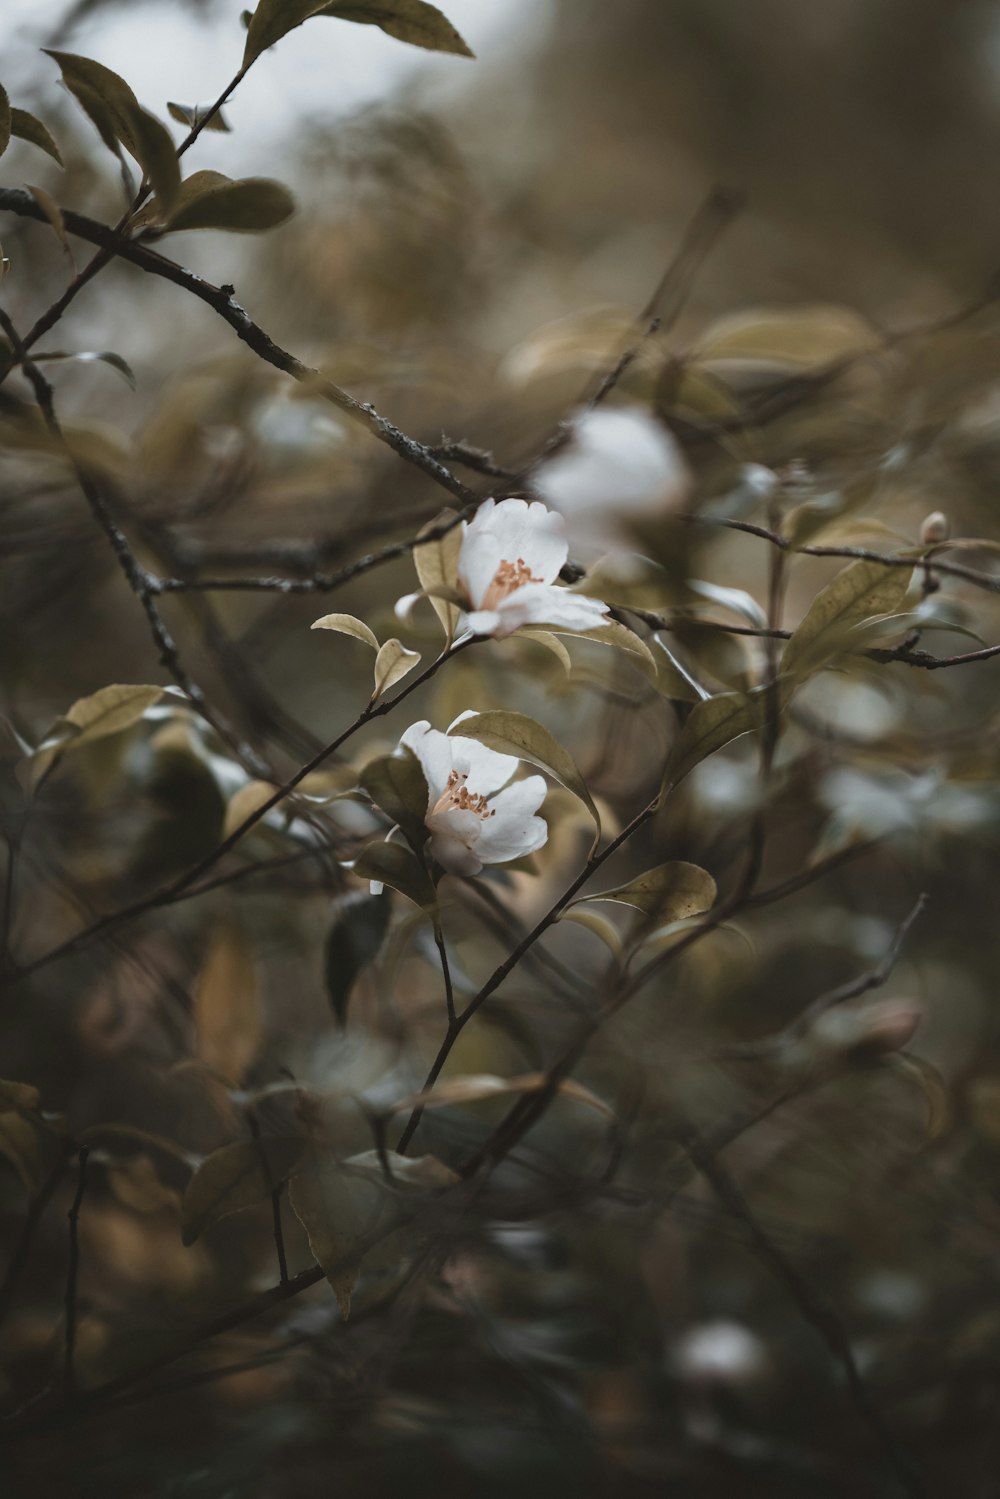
(223, 302)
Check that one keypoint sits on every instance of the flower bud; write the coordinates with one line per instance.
(866, 1030)
(936, 527)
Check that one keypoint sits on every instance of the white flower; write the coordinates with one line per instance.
(509, 560)
(472, 821)
(619, 466)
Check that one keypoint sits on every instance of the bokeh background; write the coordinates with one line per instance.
(472, 236)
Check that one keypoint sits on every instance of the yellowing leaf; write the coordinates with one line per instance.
(30, 1147)
(137, 1183)
(191, 115)
(516, 734)
(110, 710)
(337, 1211)
(18, 1096)
(392, 664)
(551, 642)
(236, 1177)
(436, 563)
(670, 892)
(226, 1009)
(861, 591)
(799, 338)
(346, 624)
(244, 803)
(476, 1087)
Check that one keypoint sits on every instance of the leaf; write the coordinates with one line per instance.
(210, 200)
(397, 784)
(412, 21)
(338, 1211)
(90, 356)
(436, 564)
(346, 624)
(27, 127)
(53, 213)
(136, 1182)
(29, 1146)
(244, 803)
(236, 1177)
(616, 634)
(516, 734)
(479, 1086)
(713, 722)
(110, 710)
(98, 1132)
(856, 594)
(18, 1096)
(931, 1084)
(799, 338)
(599, 925)
(226, 1009)
(113, 108)
(671, 680)
(551, 643)
(191, 115)
(353, 942)
(274, 19)
(5, 121)
(392, 664)
(670, 892)
(396, 865)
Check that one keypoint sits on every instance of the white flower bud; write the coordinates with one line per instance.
(936, 527)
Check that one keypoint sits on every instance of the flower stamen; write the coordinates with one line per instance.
(508, 577)
(457, 797)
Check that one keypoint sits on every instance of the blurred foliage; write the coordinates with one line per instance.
(705, 1197)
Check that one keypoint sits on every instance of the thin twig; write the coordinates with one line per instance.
(72, 1275)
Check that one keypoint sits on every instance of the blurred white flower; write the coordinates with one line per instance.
(720, 1351)
(472, 821)
(509, 560)
(619, 466)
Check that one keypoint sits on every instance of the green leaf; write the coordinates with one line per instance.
(53, 213)
(346, 624)
(397, 784)
(396, 865)
(236, 1177)
(412, 21)
(392, 664)
(113, 108)
(352, 943)
(516, 734)
(670, 892)
(861, 591)
(210, 200)
(5, 121)
(711, 723)
(191, 115)
(28, 128)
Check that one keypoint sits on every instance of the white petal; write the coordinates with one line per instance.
(510, 531)
(454, 836)
(514, 831)
(487, 769)
(620, 465)
(483, 622)
(541, 604)
(434, 751)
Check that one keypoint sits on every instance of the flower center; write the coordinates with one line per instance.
(457, 797)
(508, 577)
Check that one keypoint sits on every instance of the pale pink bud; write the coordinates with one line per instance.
(935, 528)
